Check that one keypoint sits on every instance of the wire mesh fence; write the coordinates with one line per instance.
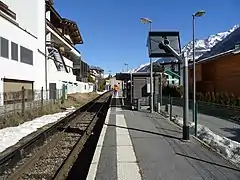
(207, 108)
(25, 104)
(222, 119)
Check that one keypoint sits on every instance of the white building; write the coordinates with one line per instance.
(22, 39)
(62, 36)
(25, 38)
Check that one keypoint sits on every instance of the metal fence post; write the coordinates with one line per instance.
(42, 99)
(138, 104)
(155, 102)
(166, 107)
(161, 92)
(170, 108)
(159, 107)
(196, 118)
(23, 100)
(63, 94)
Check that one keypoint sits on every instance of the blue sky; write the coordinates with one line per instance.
(113, 35)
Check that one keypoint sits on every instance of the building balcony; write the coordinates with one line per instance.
(55, 36)
(66, 28)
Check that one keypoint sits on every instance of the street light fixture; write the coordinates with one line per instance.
(197, 14)
(145, 20)
(149, 21)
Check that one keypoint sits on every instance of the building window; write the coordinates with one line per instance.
(173, 82)
(4, 51)
(14, 51)
(26, 55)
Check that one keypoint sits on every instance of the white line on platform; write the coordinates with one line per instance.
(118, 109)
(94, 165)
(127, 167)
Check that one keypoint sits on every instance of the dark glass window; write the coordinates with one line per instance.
(14, 51)
(26, 55)
(4, 50)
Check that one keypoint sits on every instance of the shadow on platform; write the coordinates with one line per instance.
(145, 131)
(205, 161)
(235, 131)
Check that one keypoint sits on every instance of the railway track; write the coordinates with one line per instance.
(54, 158)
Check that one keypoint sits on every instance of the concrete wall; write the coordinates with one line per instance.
(69, 79)
(30, 34)
(26, 18)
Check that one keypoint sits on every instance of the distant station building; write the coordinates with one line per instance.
(137, 86)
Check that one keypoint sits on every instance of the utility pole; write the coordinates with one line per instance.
(126, 64)
(148, 21)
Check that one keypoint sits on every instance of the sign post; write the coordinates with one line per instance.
(167, 44)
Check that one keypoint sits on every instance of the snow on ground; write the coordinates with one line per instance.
(98, 92)
(11, 135)
(227, 147)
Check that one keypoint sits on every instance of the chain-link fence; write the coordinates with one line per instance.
(222, 119)
(25, 104)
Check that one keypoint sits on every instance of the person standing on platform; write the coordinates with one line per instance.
(115, 90)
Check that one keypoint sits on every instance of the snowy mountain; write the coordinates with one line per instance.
(204, 45)
(201, 46)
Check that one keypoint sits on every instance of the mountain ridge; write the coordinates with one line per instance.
(202, 46)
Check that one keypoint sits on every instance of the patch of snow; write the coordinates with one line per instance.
(101, 92)
(12, 135)
(71, 108)
(228, 148)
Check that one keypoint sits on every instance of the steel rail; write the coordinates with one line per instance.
(10, 159)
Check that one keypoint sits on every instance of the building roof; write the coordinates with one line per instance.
(123, 76)
(49, 1)
(4, 8)
(96, 68)
(57, 20)
(74, 31)
(223, 47)
(171, 73)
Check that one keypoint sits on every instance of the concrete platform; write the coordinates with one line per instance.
(138, 145)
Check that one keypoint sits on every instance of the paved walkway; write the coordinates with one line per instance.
(136, 145)
(218, 125)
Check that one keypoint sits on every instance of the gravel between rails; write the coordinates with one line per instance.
(34, 151)
(46, 166)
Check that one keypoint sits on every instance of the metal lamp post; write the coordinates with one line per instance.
(197, 14)
(148, 21)
(126, 64)
(109, 72)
